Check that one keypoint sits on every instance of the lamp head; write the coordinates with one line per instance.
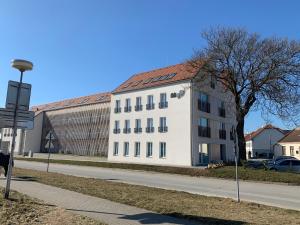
(21, 65)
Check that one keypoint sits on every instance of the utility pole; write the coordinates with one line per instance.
(233, 131)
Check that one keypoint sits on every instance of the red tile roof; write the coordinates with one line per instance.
(253, 134)
(85, 100)
(158, 77)
(293, 136)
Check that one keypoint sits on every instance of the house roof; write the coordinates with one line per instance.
(250, 136)
(293, 136)
(158, 77)
(84, 100)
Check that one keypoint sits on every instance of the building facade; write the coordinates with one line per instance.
(289, 145)
(261, 142)
(6, 141)
(164, 117)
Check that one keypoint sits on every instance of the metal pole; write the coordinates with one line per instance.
(49, 146)
(236, 175)
(7, 189)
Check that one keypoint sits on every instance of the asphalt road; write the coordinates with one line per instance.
(283, 196)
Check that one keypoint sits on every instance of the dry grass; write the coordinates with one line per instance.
(227, 172)
(205, 210)
(22, 210)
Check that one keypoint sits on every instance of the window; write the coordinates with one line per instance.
(163, 101)
(117, 127)
(162, 125)
(138, 104)
(149, 149)
(203, 104)
(149, 128)
(118, 106)
(126, 148)
(126, 129)
(222, 131)
(162, 150)
(127, 105)
(150, 103)
(283, 150)
(292, 151)
(137, 149)
(203, 127)
(138, 126)
(116, 148)
(222, 111)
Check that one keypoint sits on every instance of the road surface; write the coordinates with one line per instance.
(283, 196)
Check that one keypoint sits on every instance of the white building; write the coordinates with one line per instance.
(162, 117)
(289, 145)
(6, 141)
(260, 143)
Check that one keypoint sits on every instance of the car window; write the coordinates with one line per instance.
(296, 162)
(285, 163)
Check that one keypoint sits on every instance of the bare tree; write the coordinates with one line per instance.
(260, 73)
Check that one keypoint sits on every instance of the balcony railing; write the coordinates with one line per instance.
(150, 106)
(126, 130)
(149, 129)
(203, 131)
(117, 131)
(204, 106)
(163, 129)
(163, 105)
(222, 134)
(138, 108)
(127, 109)
(138, 130)
(222, 112)
(118, 110)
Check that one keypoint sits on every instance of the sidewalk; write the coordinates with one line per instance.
(100, 209)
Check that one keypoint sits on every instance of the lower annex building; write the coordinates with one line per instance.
(157, 117)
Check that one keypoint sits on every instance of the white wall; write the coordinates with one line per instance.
(177, 138)
(7, 138)
(287, 145)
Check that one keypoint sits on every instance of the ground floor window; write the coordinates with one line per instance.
(137, 149)
(162, 150)
(149, 149)
(126, 148)
(283, 150)
(292, 150)
(223, 152)
(116, 148)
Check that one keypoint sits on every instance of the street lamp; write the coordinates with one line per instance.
(22, 66)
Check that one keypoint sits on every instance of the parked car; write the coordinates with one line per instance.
(292, 165)
(270, 163)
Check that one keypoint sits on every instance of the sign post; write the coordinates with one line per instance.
(50, 138)
(233, 131)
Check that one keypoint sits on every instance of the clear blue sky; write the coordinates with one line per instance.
(84, 47)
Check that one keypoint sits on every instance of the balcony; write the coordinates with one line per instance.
(126, 130)
(204, 106)
(163, 129)
(150, 106)
(116, 131)
(149, 129)
(138, 108)
(127, 109)
(203, 131)
(118, 110)
(138, 130)
(163, 105)
(222, 134)
(222, 112)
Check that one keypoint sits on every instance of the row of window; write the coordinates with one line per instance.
(204, 105)
(204, 129)
(137, 149)
(138, 126)
(292, 150)
(138, 103)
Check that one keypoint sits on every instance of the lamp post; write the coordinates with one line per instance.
(22, 66)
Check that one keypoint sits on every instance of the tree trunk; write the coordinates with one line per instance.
(241, 138)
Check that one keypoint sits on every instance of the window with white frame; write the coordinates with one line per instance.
(162, 150)
(126, 148)
(116, 148)
(292, 153)
(149, 149)
(137, 150)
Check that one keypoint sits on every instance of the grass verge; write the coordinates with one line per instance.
(205, 210)
(22, 210)
(227, 172)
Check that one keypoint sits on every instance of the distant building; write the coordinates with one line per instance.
(80, 127)
(163, 117)
(289, 145)
(260, 143)
(6, 141)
